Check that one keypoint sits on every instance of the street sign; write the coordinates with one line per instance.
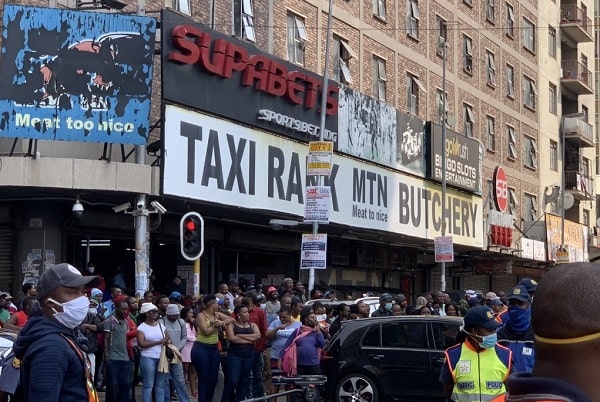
(191, 236)
(500, 189)
(320, 154)
(444, 249)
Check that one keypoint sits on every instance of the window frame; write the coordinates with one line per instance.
(530, 153)
(413, 17)
(441, 114)
(490, 11)
(468, 54)
(530, 207)
(491, 68)
(513, 201)
(342, 53)
(248, 32)
(469, 119)
(414, 86)
(553, 155)
(552, 98)
(512, 142)
(528, 39)
(529, 93)
(552, 41)
(380, 9)
(300, 38)
(491, 133)
(510, 21)
(442, 25)
(510, 81)
(379, 78)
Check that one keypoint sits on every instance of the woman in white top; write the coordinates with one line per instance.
(151, 336)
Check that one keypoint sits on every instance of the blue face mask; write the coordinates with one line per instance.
(487, 341)
(388, 306)
(519, 319)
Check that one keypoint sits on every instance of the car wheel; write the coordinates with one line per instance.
(356, 388)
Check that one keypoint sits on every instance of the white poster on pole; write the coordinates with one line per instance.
(314, 251)
(317, 205)
(444, 249)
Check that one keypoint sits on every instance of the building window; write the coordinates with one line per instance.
(441, 111)
(468, 55)
(468, 2)
(510, 81)
(552, 42)
(342, 53)
(529, 92)
(510, 20)
(585, 215)
(183, 6)
(469, 119)
(528, 35)
(443, 34)
(412, 24)
(553, 155)
(530, 212)
(491, 191)
(512, 201)
(379, 78)
(491, 133)
(490, 13)
(296, 39)
(585, 167)
(244, 20)
(414, 86)
(530, 152)
(552, 98)
(586, 112)
(379, 8)
(491, 69)
(512, 142)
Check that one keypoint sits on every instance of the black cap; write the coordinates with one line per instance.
(62, 275)
(480, 316)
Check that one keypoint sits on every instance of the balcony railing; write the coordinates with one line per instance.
(576, 129)
(576, 23)
(582, 187)
(577, 77)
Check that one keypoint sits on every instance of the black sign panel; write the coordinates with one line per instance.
(464, 160)
(213, 72)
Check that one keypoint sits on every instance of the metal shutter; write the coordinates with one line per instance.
(6, 258)
(504, 283)
(475, 282)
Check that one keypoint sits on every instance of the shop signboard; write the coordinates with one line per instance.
(216, 161)
(76, 75)
(576, 240)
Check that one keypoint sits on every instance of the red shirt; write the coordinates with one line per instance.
(259, 317)
(21, 318)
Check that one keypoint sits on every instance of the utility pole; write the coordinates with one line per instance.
(444, 46)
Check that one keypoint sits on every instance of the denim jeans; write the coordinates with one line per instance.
(118, 381)
(176, 373)
(258, 389)
(206, 360)
(239, 367)
(152, 377)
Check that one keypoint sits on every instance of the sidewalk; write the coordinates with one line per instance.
(138, 395)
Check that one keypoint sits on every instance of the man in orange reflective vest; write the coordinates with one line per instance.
(475, 370)
(567, 339)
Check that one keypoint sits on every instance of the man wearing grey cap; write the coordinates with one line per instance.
(52, 350)
(175, 328)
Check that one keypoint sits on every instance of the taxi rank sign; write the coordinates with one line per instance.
(463, 163)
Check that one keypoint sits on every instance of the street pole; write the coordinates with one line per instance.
(444, 45)
(142, 237)
(311, 272)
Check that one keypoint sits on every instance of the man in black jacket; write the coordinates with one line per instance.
(385, 306)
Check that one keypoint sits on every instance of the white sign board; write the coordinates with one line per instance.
(320, 155)
(317, 205)
(444, 249)
(212, 160)
(313, 252)
(533, 249)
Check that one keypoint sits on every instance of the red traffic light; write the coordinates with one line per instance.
(190, 224)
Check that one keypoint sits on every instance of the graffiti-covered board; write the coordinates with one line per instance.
(75, 75)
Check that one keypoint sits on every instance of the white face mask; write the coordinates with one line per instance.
(73, 313)
(321, 317)
(93, 310)
(91, 270)
(263, 306)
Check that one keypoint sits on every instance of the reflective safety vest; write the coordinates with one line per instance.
(478, 377)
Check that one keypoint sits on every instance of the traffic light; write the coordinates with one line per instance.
(191, 236)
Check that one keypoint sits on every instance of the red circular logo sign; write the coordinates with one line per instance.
(500, 189)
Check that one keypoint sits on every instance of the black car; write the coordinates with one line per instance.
(388, 358)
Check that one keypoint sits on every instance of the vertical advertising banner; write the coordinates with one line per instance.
(75, 75)
(314, 251)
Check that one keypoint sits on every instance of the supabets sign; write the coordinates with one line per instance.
(217, 161)
(213, 72)
(463, 158)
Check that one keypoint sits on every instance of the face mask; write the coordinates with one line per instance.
(388, 306)
(519, 319)
(321, 317)
(74, 311)
(263, 306)
(92, 310)
(91, 270)
(487, 341)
